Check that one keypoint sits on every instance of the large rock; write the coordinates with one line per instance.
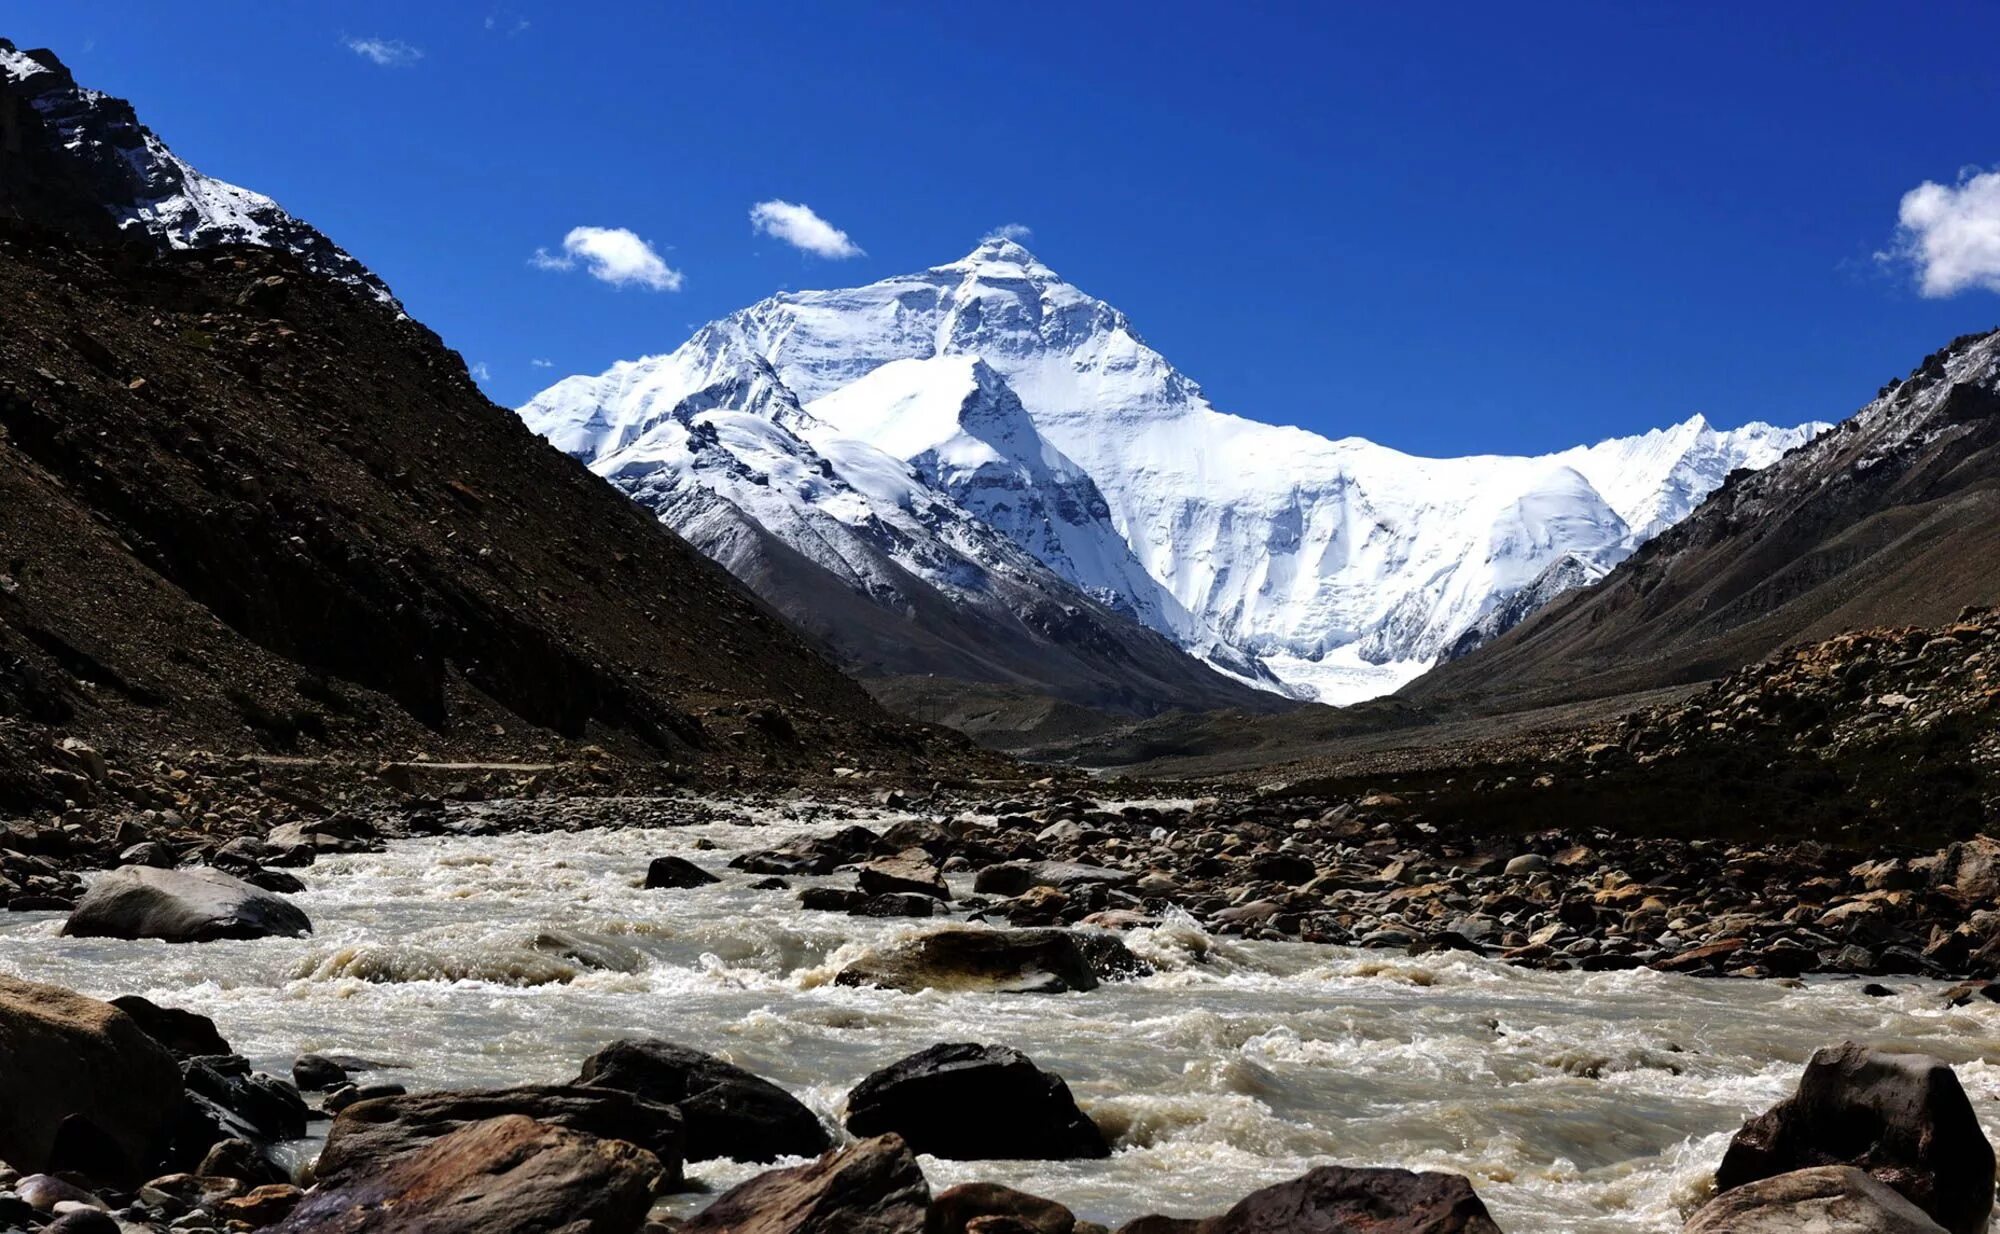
(676, 873)
(1005, 961)
(81, 1085)
(507, 1175)
(181, 906)
(1971, 870)
(910, 872)
(188, 1034)
(369, 1134)
(874, 1187)
(968, 1102)
(725, 1110)
(1901, 1117)
(226, 1100)
(1827, 1199)
(960, 1206)
(1337, 1200)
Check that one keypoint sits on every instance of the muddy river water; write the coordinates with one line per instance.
(1585, 1103)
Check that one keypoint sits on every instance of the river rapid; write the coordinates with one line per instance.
(1577, 1103)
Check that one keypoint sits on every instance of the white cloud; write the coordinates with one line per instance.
(1950, 233)
(615, 255)
(538, 362)
(388, 53)
(480, 372)
(1010, 231)
(797, 225)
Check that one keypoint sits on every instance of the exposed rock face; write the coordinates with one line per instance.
(874, 1187)
(1010, 961)
(507, 1175)
(726, 1111)
(1826, 1199)
(181, 906)
(369, 1134)
(1903, 1118)
(186, 1033)
(1338, 1200)
(970, 1102)
(81, 1085)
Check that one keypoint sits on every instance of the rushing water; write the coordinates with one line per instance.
(1576, 1102)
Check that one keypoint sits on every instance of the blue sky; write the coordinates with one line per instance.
(1449, 228)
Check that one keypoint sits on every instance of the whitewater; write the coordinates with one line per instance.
(1577, 1103)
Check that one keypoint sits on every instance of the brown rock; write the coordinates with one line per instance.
(1821, 1200)
(1338, 1200)
(874, 1187)
(956, 1209)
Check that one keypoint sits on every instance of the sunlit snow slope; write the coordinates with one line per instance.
(1335, 569)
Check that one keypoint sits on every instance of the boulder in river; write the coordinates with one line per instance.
(1901, 1117)
(1336, 1200)
(1827, 1199)
(187, 1034)
(969, 1102)
(676, 873)
(508, 1174)
(725, 1110)
(955, 1208)
(1003, 961)
(368, 1134)
(874, 1187)
(911, 872)
(181, 906)
(81, 1084)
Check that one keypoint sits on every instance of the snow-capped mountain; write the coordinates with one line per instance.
(1341, 567)
(114, 176)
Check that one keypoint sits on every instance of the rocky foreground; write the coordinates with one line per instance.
(134, 1117)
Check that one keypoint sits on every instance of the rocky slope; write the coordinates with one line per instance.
(1330, 569)
(248, 505)
(1891, 519)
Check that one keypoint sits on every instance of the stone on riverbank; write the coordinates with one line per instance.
(725, 1110)
(1003, 961)
(81, 1084)
(874, 1187)
(1826, 1199)
(506, 1175)
(1335, 1200)
(969, 1102)
(368, 1135)
(1903, 1118)
(181, 906)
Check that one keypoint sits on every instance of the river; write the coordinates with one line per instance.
(1577, 1103)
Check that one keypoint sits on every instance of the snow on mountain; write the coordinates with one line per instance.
(1341, 567)
(144, 189)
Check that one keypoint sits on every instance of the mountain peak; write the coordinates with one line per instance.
(1001, 257)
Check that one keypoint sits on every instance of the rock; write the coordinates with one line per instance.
(43, 1192)
(1337, 1200)
(318, 1074)
(261, 1206)
(897, 904)
(677, 873)
(1901, 1117)
(969, 1102)
(1971, 870)
(181, 906)
(226, 1100)
(874, 1187)
(241, 1162)
(1004, 961)
(1014, 877)
(507, 1175)
(911, 871)
(187, 1034)
(1525, 864)
(81, 1085)
(368, 1134)
(956, 1208)
(725, 1110)
(831, 899)
(1822, 1200)
(84, 1221)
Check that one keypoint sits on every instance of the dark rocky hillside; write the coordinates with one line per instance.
(243, 506)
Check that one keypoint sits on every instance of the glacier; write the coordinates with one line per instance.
(985, 415)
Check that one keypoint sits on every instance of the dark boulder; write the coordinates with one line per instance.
(1827, 1199)
(181, 906)
(316, 1073)
(369, 1134)
(969, 1102)
(1338, 1200)
(874, 1187)
(957, 1207)
(506, 1175)
(676, 873)
(725, 1110)
(188, 1034)
(1006, 961)
(81, 1084)
(1903, 1118)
